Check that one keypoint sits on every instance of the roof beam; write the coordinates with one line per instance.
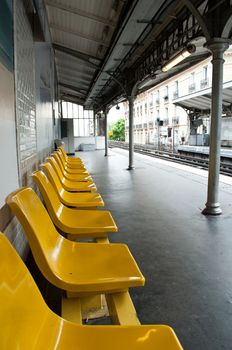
(74, 82)
(71, 87)
(80, 55)
(79, 34)
(73, 71)
(72, 98)
(81, 13)
(82, 83)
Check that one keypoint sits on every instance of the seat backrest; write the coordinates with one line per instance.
(61, 156)
(48, 192)
(62, 150)
(52, 176)
(41, 233)
(23, 310)
(59, 162)
(55, 166)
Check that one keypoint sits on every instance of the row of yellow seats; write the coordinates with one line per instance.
(80, 269)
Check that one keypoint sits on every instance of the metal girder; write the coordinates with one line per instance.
(79, 34)
(72, 98)
(166, 45)
(71, 87)
(81, 13)
(73, 70)
(75, 76)
(75, 81)
(80, 55)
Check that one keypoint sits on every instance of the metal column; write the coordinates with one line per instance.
(217, 47)
(131, 132)
(106, 134)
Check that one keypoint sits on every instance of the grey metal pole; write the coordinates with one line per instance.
(131, 132)
(217, 47)
(106, 134)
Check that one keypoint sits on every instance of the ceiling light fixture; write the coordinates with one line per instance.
(186, 52)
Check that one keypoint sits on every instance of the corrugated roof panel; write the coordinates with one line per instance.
(101, 8)
(76, 22)
(73, 62)
(78, 44)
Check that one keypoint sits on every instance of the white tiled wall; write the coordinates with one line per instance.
(25, 90)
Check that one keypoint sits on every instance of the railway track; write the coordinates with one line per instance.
(225, 167)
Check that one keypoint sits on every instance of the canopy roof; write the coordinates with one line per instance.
(103, 46)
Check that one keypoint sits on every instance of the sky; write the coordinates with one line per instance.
(115, 114)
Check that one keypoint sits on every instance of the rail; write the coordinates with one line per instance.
(149, 150)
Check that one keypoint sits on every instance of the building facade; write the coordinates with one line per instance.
(161, 120)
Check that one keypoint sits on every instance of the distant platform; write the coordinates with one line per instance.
(204, 150)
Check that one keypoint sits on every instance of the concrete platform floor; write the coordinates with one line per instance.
(185, 256)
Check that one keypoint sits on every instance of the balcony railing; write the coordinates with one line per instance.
(192, 87)
(204, 83)
(175, 94)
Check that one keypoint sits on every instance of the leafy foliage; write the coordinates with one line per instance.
(117, 132)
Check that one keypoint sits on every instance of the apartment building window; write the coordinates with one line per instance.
(192, 84)
(205, 79)
(176, 89)
(141, 111)
(157, 97)
(151, 100)
(145, 109)
(166, 94)
(166, 116)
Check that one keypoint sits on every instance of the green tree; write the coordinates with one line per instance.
(117, 131)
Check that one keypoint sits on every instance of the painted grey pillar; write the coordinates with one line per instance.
(217, 47)
(106, 134)
(94, 123)
(131, 132)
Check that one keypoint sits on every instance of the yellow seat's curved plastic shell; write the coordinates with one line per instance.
(68, 158)
(64, 168)
(68, 167)
(77, 200)
(69, 198)
(71, 162)
(87, 223)
(26, 323)
(73, 186)
(69, 177)
(75, 267)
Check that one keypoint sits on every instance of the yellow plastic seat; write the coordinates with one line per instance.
(26, 322)
(69, 168)
(71, 199)
(72, 186)
(72, 266)
(78, 223)
(66, 169)
(69, 177)
(71, 160)
(72, 164)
